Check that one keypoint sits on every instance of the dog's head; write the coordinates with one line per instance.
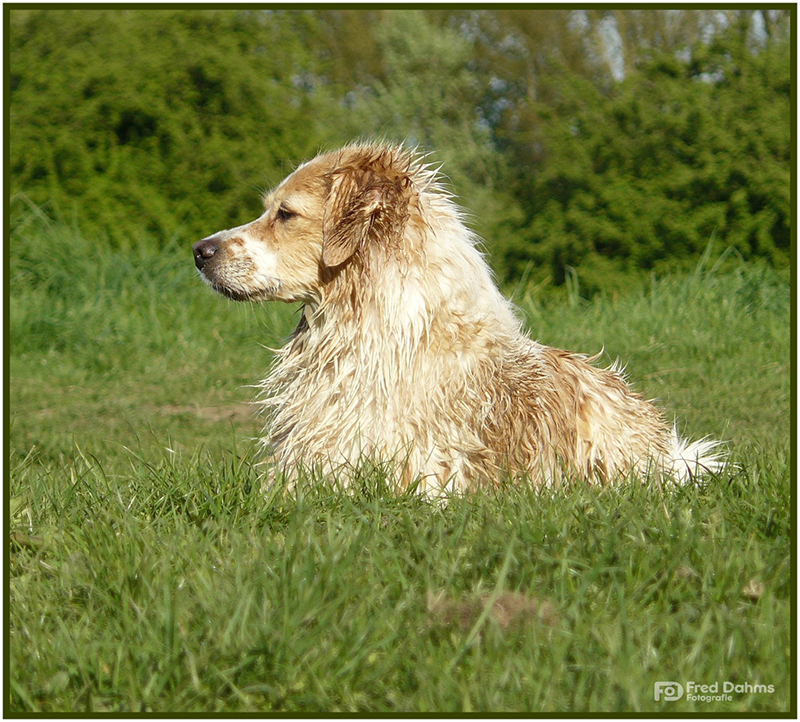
(329, 213)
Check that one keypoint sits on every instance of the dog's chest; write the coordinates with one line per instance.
(359, 395)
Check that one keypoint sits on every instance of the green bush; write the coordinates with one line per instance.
(167, 123)
(155, 121)
(682, 153)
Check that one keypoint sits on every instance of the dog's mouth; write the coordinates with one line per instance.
(231, 293)
(237, 293)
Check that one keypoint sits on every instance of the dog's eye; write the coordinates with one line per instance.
(284, 214)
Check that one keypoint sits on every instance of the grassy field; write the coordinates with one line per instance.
(147, 573)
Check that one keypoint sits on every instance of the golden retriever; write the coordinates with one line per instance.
(407, 352)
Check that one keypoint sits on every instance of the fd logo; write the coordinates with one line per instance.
(668, 691)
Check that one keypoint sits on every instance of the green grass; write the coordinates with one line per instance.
(147, 572)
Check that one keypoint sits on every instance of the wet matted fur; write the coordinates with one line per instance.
(406, 350)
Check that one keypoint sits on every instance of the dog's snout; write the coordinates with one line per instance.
(205, 250)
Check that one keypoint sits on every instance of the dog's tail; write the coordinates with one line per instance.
(689, 460)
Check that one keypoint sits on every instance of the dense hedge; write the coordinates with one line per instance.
(169, 122)
(650, 175)
(156, 121)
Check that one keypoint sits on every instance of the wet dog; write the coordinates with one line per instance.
(407, 352)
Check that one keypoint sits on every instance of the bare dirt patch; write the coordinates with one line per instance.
(234, 412)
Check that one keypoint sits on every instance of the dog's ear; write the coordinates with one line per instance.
(363, 205)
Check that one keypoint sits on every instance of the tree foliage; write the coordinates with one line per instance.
(610, 141)
(160, 121)
(680, 154)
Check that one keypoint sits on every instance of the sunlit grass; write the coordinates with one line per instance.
(149, 572)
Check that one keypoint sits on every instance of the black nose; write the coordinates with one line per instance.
(205, 250)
